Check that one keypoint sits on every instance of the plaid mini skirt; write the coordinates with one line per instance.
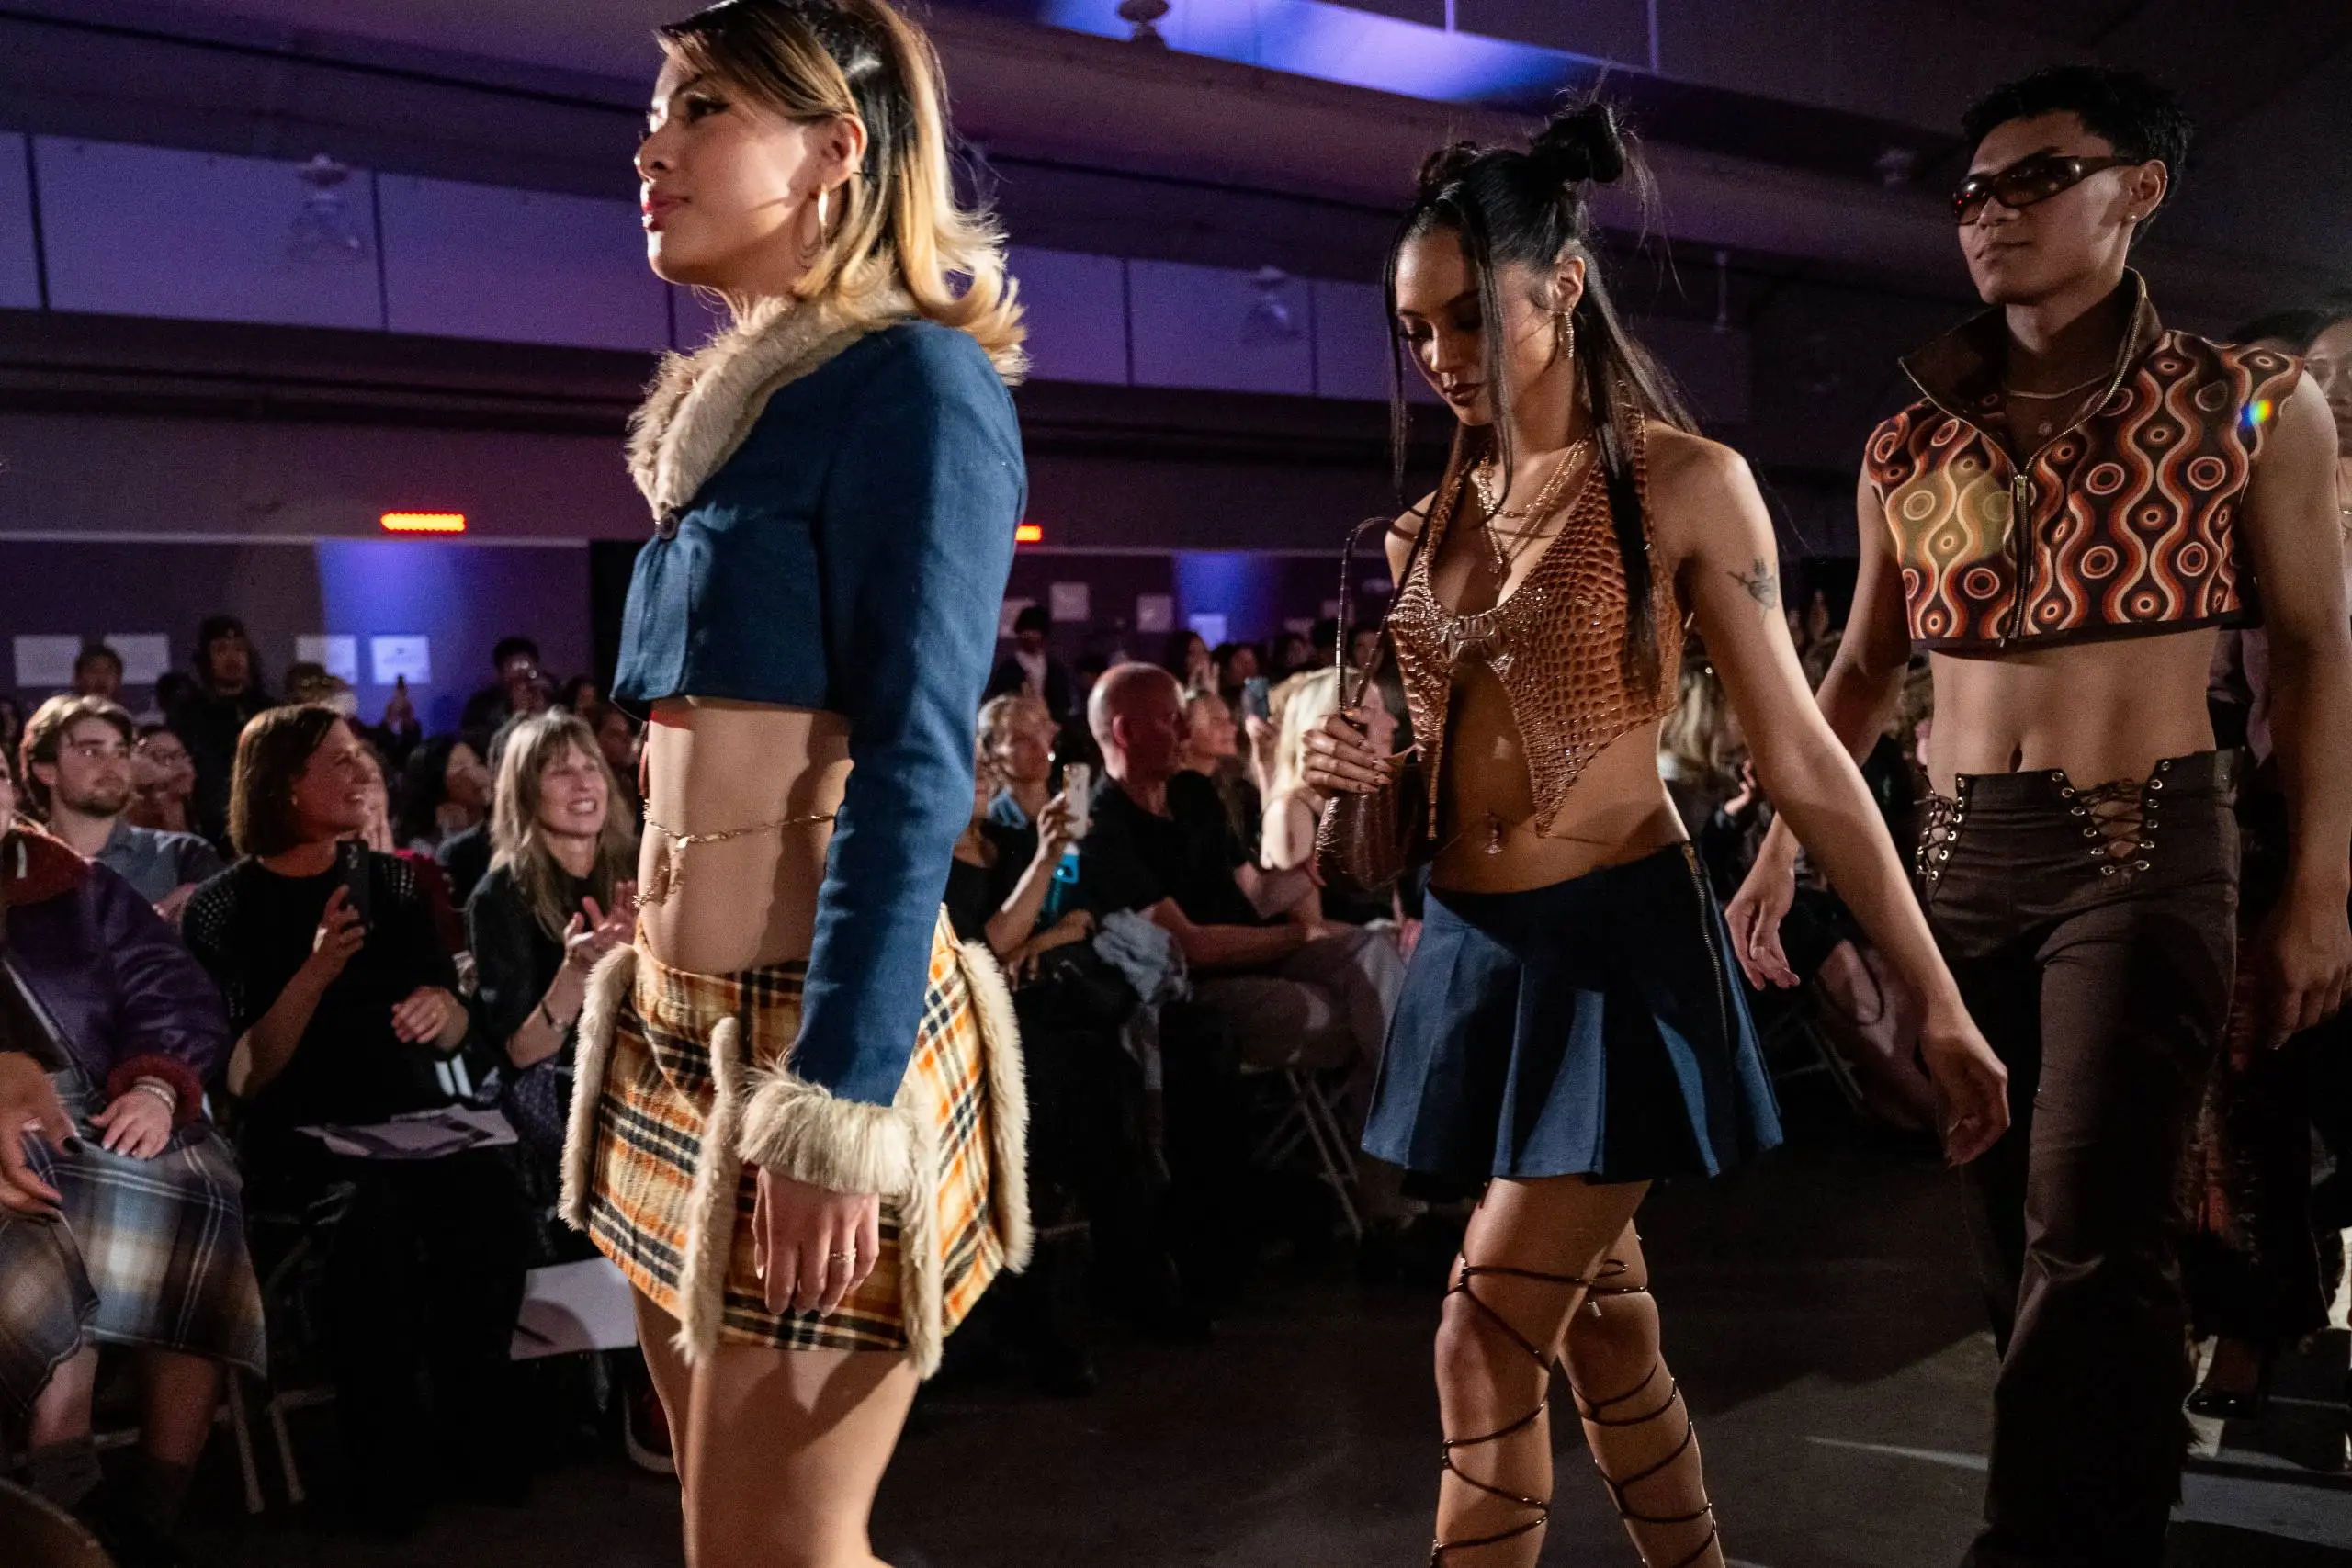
(149, 1252)
(652, 1181)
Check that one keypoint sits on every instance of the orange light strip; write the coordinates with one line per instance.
(1029, 534)
(424, 521)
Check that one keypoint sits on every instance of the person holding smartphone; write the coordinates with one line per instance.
(342, 1002)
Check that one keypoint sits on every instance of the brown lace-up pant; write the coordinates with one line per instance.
(2092, 933)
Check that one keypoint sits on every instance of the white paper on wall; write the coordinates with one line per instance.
(339, 654)
(1210, 624)
(1008, 613)
(45, 661)
(1155, 613)
(145, 656)
(1072, 602)
(400, 658)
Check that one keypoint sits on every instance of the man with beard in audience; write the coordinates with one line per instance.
(77, 780)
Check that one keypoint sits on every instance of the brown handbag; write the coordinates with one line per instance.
(1365, 843)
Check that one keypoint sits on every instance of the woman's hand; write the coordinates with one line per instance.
(28, 1106)
(1755, 914)
(1053, 834)
(1341, 759)
(1972, 1085)
(811, 1246)
(426, 1014)
(593, 934)
(137, 1123)
(341, 933)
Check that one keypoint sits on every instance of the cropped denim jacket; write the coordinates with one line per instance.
(835, 509)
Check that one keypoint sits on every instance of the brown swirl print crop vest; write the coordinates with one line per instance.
(2122, 525)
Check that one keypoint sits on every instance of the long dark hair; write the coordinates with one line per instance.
(1531, 207)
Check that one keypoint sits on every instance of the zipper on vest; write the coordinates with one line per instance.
(2020, 551)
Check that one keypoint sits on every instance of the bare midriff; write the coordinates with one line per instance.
(1617, 809)
(2096, 711)
(713, 766)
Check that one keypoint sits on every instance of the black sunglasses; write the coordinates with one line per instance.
(2025, 182)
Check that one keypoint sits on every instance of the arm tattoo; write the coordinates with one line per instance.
(1762, 585)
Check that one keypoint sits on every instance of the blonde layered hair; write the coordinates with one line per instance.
(518, 841)
(900, 235)
(1309, 700)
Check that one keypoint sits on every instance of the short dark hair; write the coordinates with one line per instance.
(45, 737)
(212, 629)
(508, 647)
(94, 652)
(2134, 114)
(275, 746)
(1032, 618)
(2297, 329)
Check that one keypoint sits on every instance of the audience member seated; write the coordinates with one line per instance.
(519, 689)
(1212, 749)
(1017, 735)
(1294, 809)
(580, 695)
(212, 713)
(1075, 743)
(128, 1229)
(445, 809)
(1002, 873)
(1295, 989)
(617, 736)
(97, 672)
(1187, 658)
(343, 999)
(1090, 1121)
(1031, 667)
(1293, 654)
(561, 893)
(77, 780)
(431, 880)
(161, 779)
(1238, 664)
(1699, 745)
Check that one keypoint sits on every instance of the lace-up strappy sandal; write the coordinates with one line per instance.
(1540, 1508)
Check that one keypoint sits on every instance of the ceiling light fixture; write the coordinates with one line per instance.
(424, 521)
(324, 233)
(1141, 15)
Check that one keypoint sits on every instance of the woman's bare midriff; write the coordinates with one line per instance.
(1618, 810)
(2097, 711)
(712, 766)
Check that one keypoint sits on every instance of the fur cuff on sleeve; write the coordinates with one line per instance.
(800, 1130)
(186, 1087)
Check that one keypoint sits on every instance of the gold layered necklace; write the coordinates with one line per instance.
(1487, 479)
(2045, 426)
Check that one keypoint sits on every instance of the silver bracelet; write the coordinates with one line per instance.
(161, 1090)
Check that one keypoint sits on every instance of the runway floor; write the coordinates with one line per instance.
(1820, 1311)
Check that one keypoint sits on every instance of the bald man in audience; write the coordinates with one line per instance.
(1297, 989)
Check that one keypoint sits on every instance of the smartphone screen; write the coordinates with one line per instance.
(1254, 698)
(351, 863)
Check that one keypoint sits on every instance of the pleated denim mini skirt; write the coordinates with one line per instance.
(1596, 1027)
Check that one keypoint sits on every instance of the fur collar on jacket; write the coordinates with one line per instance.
(703, 404)
(35, 867)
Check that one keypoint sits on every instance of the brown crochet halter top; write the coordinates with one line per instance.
(1556, 644)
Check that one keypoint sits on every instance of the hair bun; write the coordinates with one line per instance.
(1443, 167)
(1583, 143)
